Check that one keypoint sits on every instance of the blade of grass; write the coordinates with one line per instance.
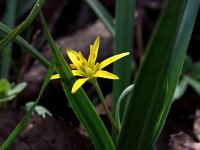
(25, 119)
(9, 20)
(23, 25)
(26, 46)
(79, 102)
(149, 104)
(24, 6)
(123, 42)
(103, 14)
(119, 102)
(178, 54)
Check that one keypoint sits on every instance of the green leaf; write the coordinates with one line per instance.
(156, 80)
(25, 119)
(23, 25)
(4, 86)
(194, 84)
(8, 91)
(103, 14)
(26, 46)
(16, 89)
(188, 64)
(40, 110)
(9, 20)
(180, 89)
(24, 6)
(123, 43)
(122, 96)
(79, 102)
(5, 99)
(11, 92)
(195, 73)
(178, 56)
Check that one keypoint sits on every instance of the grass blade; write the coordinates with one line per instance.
(119, 102)
(26, 46)
(9, 20)
(149, 104)
(24, 120)
(23, 25)
(123, 42)
(103, 14)
(24, 6)
(178, 54)
(79, 102)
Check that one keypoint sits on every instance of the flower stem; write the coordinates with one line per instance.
(103, 102)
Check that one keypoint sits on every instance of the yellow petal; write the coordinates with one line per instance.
(78, 84)
(112, 59)
(77, 73)
(75, 58)
(105, 74)
(56, 76)
(96, 47)
(96, 67)
(84, 61)
(93, 52)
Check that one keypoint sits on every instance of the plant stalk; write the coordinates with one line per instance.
(103, 102)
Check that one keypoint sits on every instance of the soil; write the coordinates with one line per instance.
(41, 133)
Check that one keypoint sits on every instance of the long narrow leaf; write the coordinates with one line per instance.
(25, 119)
(24, 6)
(149, 103)
(177, 59)
(9, 20)
(79, 102)
(123, 42)
(26, 46)
(119, 102)
(23, 25)
(103, 14)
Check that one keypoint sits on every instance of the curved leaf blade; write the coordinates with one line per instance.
(26, 46)
(23, 25)
(149, 104)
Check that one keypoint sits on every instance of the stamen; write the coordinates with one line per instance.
(72, 66)
(89, 72)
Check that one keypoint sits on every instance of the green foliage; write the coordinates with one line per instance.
(190, 76)
(25, 46)
(156, 80)
(40, 110)
(4, 86)
(125, 10)
(23, 6)
(23, 25)
(123, 96)
(149, 102)
(9, 20)
(14, 9)
(25, 119)
(103, 14)
(9, 91)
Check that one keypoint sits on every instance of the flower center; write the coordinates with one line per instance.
(89, 72)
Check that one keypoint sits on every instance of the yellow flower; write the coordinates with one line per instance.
(89, 70)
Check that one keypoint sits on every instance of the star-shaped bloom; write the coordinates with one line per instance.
(89, 69)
